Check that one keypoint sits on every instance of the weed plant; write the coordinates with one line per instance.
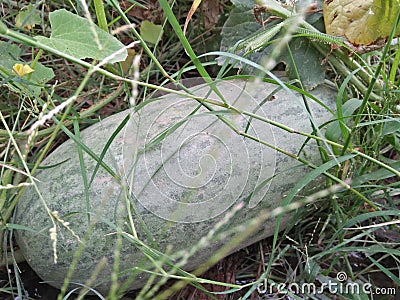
(349, 228)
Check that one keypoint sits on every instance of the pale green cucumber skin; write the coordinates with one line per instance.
(63, 190)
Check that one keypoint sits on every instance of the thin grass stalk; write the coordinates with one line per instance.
(243, 231)
(100, 14)
(142, 42)
(84, 114)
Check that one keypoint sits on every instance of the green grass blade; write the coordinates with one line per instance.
(83, 171)
(389, 274)
(107, 146)
(90, 152)
(100, 14)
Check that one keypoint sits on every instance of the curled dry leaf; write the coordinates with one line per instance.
(362, 22)
(195, 5)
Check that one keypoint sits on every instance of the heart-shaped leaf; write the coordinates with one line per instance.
(150, 32)
(80, 38)
(28, 17)
(303, 57)
(10, 61)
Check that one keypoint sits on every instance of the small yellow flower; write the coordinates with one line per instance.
(28, 26)
(21, 70)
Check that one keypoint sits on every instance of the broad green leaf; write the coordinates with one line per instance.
(241, 24)
(10, 56)
(307, 61)
(244, 3)
(333, 132)
(28, 17)
(75, 36)
(9, 51)
(150, 32)
(376, 175)
(40, 76)
(362, 22)
(391, 126)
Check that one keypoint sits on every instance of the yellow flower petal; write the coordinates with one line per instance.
(29, 26)
(21, 70)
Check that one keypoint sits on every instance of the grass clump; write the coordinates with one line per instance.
(347, 234)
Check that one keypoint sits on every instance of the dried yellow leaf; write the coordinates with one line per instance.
(362, 22)
(193, 8)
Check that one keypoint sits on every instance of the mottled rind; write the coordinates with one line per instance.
(181, 187)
